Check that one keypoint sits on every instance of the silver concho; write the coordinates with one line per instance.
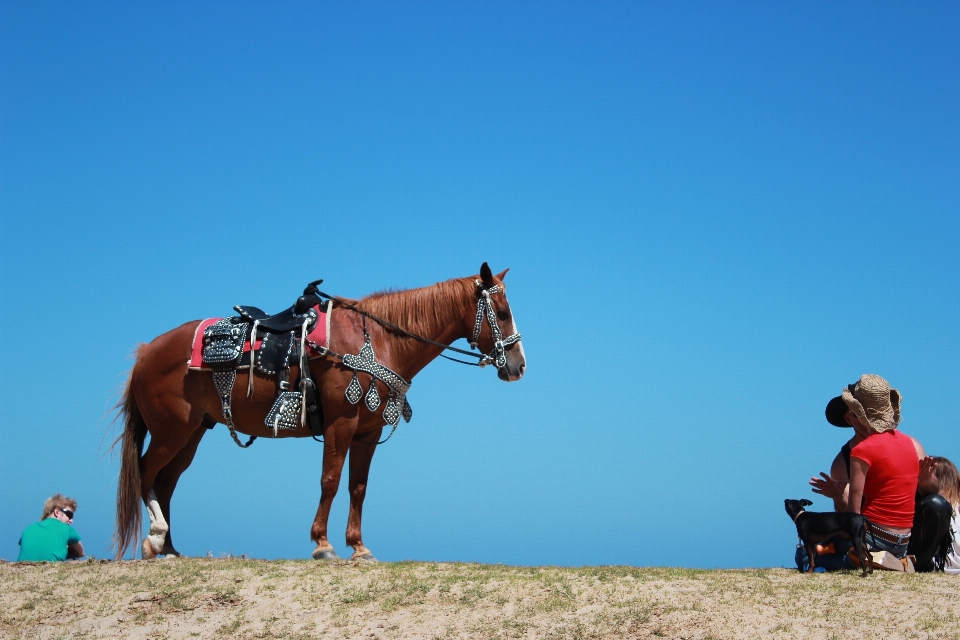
(391, 413)
(354, 390)
(373, 397)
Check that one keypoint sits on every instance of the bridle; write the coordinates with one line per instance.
(498, 354)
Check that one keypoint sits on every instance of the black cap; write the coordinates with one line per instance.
(836, 409)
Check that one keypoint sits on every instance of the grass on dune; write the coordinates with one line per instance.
(265, 599)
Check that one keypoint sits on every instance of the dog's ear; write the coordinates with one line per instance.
(805, 503)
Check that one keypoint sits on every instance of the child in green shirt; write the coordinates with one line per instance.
(52, 539)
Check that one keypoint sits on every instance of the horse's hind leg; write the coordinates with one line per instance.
(360, 457)
(166, 484)
(164, 447)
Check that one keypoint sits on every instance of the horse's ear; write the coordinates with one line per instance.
(486, 276)
(502, 274)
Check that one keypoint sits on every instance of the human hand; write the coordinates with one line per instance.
(927, 481)
(827, 486)
(927, 466)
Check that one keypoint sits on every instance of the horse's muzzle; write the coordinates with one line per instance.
(516, 364)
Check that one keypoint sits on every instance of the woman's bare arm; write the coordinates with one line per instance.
(858, 476)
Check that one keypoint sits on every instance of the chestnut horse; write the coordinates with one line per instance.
(176, 405)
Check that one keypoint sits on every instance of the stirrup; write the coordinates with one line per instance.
(285, 412)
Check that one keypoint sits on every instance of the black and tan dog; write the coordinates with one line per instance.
(817, 527)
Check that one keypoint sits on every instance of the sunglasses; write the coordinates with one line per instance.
(68, 513)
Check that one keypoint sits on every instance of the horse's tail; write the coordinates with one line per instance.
(128, 486)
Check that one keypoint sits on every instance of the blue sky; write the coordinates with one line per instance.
(715, 215)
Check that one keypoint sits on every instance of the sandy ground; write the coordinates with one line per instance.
(205, 598)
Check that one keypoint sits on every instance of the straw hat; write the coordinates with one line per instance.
(873, 401)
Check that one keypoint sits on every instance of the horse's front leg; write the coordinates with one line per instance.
(336, 443)
(360, 457)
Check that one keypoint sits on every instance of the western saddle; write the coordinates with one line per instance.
(283, 343)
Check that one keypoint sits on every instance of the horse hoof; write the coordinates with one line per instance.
(146, 550)
(326, 553)
(366, 556)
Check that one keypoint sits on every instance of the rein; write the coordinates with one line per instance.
(484, 310)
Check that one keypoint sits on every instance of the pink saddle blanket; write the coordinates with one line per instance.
(319, 336)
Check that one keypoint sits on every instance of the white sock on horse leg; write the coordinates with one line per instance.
(158, 525)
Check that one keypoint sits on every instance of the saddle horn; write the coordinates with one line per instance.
(309, 299)
(312, 287)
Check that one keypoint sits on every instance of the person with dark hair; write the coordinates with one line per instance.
(52, 539)
(950, 490)
(886, 475)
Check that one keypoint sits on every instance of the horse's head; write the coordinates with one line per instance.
(495, 331)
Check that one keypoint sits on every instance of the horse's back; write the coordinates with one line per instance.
(174, 346)
(162, 369)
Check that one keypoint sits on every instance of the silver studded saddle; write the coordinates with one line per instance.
(272, 344)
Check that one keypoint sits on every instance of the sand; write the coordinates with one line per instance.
(209, 598)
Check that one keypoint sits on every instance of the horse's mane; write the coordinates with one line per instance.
(422, 310)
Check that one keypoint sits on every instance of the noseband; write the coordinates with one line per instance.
(498, 355)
